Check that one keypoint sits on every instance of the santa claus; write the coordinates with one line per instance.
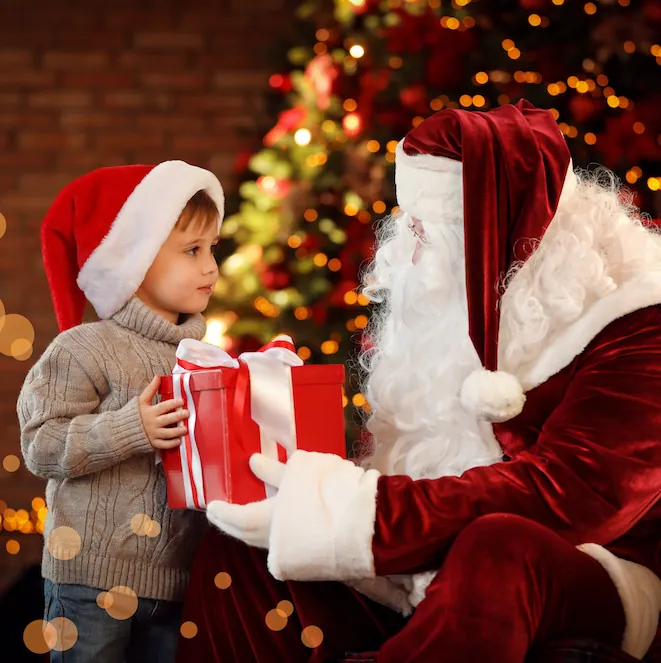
(511, 495)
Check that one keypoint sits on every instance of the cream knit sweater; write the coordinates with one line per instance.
(81, 430)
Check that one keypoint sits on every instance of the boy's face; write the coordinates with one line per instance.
(181, 278)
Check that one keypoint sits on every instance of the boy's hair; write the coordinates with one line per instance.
(200, 210)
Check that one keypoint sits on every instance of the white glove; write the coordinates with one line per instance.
(250, 523)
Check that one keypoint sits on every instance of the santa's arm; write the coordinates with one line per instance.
(593, 473)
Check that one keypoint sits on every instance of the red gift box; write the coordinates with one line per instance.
(212, 461)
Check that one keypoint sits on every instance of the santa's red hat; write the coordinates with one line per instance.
(506, 170)
(104, 230)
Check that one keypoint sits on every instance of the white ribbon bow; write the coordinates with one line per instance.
(271, 401)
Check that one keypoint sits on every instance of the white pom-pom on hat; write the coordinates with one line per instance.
(494, 396)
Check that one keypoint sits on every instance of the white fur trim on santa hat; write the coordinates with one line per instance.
(429, 188)
(323, 520)
(494, 396)
(640, 593)
(116, 268)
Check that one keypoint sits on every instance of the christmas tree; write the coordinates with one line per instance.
(364, 73)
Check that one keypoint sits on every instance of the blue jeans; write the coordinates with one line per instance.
(150, 636)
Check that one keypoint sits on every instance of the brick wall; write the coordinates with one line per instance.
(89, 83)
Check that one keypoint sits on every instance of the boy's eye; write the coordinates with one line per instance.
(193, 251)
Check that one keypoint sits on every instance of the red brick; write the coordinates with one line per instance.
(172, 122)
(84, 161)
(231, 79)
(137, 18)
(125, 99)
(45, 183)
(95, 120)
(10, 99)
(76, 60)
(26, 202)
(175, 80)
(22, 160)
(129, 140)
(27, 120)
(98, 80)
(210, 101)
(50, 140)
(17, 57)
(60, 99)
(168, 40)
(152, 61)
(20, 78)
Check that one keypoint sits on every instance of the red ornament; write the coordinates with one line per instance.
(287, 121)
(583, 107)
(322, 72)
(276, 276)
(414, 97)
(352, 124)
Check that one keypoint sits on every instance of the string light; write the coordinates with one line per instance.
(590, 8)
(590, 138)
(330, 347)
(373, 146)
(379, 207)
(535, 20)
(310, 215)
(350, 297)
(629, 47)
(481, 77)
(639, 127)
(654, 183)
(302, 137)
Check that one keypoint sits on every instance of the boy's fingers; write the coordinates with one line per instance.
(166, 444)
(171, 418)
(171, 433)
(167, 406)
(150, 390)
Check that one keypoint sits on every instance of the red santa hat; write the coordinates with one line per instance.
(513, 166)
(105, 229)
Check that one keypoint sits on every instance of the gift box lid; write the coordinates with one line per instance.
(225, 378)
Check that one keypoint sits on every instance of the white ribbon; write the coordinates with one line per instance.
(271, 401)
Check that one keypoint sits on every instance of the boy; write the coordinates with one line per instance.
(137, 242)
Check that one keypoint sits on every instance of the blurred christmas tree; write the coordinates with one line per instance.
(363, 74)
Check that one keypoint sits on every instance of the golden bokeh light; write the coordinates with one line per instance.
(16, 336)
(140, 523)
(104, 600)
(222, 580)
(11, 463)
(3, 225)
(39, 636)
(312, 636)
(66, 633)
(276, 620)
(286, 607)
(188, 630)
(121, 602)
(13, 547)
(64, 543)
(153, 529)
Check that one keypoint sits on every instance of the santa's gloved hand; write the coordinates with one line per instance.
(250, 523)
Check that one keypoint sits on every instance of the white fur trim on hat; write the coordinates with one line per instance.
(494, 396)
(429, 187)
(640, 592)
(116, 268)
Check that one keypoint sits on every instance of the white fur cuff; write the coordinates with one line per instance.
(323, 522)
(640, 592)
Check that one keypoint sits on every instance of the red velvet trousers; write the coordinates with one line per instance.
(506, 584)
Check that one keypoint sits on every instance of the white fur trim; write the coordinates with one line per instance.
(323, 522)
(429, 188)
(640, 592)
(494, 396)
(382, 590)
(116, 268)
(572, 340)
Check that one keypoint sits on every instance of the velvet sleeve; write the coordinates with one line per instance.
(593, 472)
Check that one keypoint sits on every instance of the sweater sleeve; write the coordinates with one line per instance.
(593, 473)
(61, 436)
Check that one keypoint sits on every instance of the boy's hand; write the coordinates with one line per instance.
(157, 418)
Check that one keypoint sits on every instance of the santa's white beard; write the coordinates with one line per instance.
(419, 357)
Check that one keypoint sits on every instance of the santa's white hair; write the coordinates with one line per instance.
(418, 352)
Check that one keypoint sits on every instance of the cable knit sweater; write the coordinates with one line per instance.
(81, 430)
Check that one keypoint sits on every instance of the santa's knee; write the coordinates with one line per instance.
(504, 538)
